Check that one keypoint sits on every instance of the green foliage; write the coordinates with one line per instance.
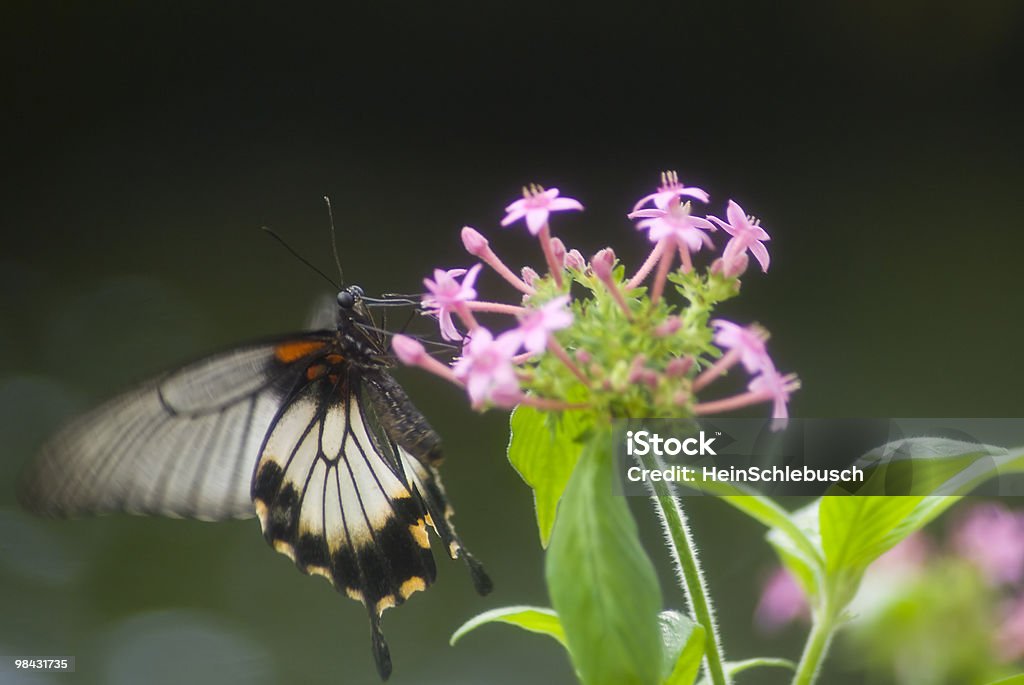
(543, 449)
(601, 582)
(683, 648)
(533, 619)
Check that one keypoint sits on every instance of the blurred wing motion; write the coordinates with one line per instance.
(326, 450)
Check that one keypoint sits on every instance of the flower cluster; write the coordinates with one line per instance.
(622, 349)
(986, 538)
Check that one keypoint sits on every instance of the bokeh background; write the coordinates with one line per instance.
(144, 147)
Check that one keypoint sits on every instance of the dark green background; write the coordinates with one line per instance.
(143, 149)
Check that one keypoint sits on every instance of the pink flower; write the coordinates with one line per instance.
(670, 189)
(675, 221)
(748, 342)
(535, 327)
(746, 233)
(602, 263)
(536, 206)
(782, 602)
(447, 295)
(778, 389)
(1010, 634)
(992, 538)
(575, 261)
(487, 370)
(408, 350)
(474, 241)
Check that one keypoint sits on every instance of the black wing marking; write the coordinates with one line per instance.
(182, 445)
(333, 494)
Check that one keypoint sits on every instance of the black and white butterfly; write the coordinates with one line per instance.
(308, 432)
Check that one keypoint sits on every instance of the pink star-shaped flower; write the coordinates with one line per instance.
(748, 342)
(536, 206)
(448, 296)
(671, 187)
(746, 233)
(535, 327)
(675, 221)
(487, 370)
(778, 388)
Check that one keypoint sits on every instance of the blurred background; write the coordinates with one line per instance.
(879, 142)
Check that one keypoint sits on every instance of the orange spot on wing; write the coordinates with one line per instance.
(334, 358)
(315, 371)
(291, 351)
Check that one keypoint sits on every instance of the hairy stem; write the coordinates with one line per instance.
(684, 553)
(816, 648)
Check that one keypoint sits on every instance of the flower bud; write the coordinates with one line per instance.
(530, 276)
(408, 350)
(575, 261)
(474, 242)
(602, 263)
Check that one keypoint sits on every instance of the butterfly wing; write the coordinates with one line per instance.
(332, 495)
(182, 445)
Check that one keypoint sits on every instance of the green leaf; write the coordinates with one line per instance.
(601, 581)
(534, 619)
(1012, 680)
(543, 450)
(683, 643)
(932, 466)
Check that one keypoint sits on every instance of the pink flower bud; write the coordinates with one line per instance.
(668, 326)
(408, 350)
(583, 357)
(558, 251)
(530, 276)
(678, 367)
(575, 261)
(474, 242)
(602, 263)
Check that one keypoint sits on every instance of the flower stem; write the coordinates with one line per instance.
(816, 648)
(688, 566)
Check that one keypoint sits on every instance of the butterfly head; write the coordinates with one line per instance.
(349, 298)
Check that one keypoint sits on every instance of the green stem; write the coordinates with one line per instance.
(685, 553)
(816, 648)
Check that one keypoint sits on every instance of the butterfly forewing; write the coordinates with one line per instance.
(183, 445)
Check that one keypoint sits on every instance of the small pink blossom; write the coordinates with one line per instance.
(530, 276)
(782, 602)
(678, 367)
(602, 263)
(474, 241)
(558, 251)
(667, 327)
(448, 296)
(675, 221)
(1010, 634)
(732, 266)
(746, 233)
(487, 370)
(536, 206)
(535, 327)
(671, 188)
(747, 341)
(408, 350)
(992, 538)
(574, 260)
(778, 388)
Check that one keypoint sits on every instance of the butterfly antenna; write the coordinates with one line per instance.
(334, 239)
(273, 234)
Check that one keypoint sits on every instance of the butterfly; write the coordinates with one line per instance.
(307, 432)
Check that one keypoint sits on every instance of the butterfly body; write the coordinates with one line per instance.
(308, 432)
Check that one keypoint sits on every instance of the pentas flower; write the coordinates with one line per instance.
(536, 206)
(616, 346)
(676, 222)
(536, 326)
(776, 387)
(992, 538)
(746, 233)
(782, 602)
(746, 342)
(487, 370)
(671, 187)
(448, 296)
